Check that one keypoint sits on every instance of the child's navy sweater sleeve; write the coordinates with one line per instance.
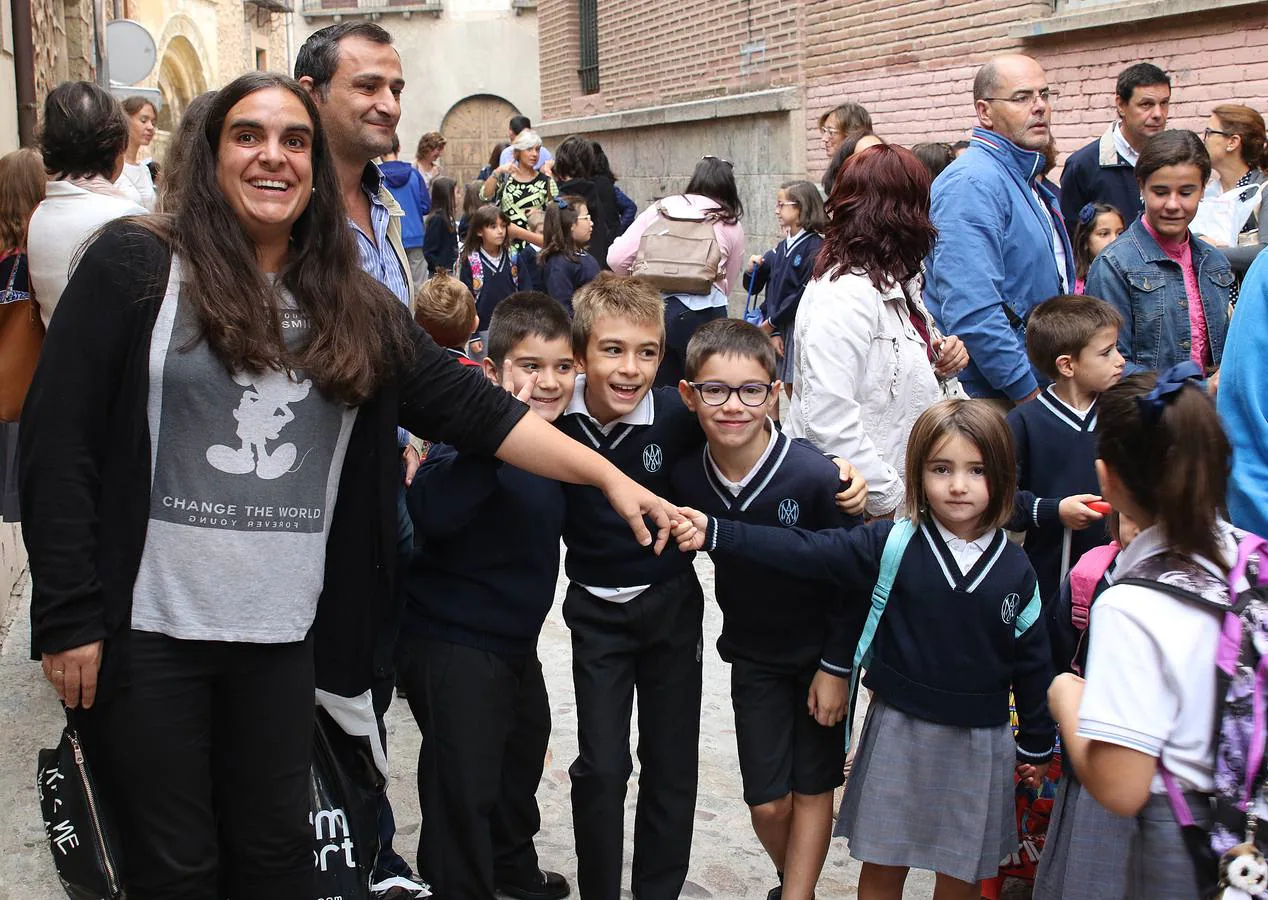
(755, 281)
(1029, 509)
(464, 274)
(1032, 674)
(449, 490)
(847, 617)
(847, 558)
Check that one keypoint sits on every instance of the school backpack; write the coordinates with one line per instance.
(679, 255)
(1241, 694)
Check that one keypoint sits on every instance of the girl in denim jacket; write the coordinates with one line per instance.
(1172, 288)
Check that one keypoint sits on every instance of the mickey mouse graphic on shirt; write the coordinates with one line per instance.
(262, 412)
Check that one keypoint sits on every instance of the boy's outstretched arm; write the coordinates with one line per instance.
(536, 446)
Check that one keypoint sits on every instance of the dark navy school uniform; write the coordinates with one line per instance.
(784, 273)
(636, 621)
(1056, 454)
(563, 276)
(778, 630)
(492, 280)
(440, 244)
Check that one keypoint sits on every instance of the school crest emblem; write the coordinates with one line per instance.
(653, 457)
(1008, 610)
(789, 512)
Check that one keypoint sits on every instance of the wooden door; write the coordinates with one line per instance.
(471, 129)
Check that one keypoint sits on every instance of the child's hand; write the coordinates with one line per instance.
(951, 356)
(1076, 514)
(524, 394)
(777, 341)
(828, 698)
(852, 498)
(1031, 776)
(475, 348)
(753, 263)
(690, 528)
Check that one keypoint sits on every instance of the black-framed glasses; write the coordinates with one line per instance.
(1027, 98)
(1206, 134)
(718, 158)
(716, 393)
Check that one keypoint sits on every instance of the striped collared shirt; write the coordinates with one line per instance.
(378, 257)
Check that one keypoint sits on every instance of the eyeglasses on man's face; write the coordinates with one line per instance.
(716, 393)
(1026, 99)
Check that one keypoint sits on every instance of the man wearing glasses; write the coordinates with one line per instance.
(1002, 247)
(1104, 170)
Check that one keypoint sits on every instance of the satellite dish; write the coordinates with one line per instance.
(130, 50)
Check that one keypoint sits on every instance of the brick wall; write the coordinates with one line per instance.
(667, 51)
(915, 77)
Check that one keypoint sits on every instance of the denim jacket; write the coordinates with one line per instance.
(993, 261)
(1146, 286)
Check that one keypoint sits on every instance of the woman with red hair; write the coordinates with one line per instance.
(868, 357)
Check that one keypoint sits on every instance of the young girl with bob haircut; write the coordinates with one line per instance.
(1171, 287)
(487, 266)
(785, 271)
(1147, 708)
(1099, 225)
(440, 227)
(932, 786)
(565, 264)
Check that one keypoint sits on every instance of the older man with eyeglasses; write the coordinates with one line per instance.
(1002, 246)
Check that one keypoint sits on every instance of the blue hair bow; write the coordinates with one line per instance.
(561, 202)
(1087, 213)
(1169, 385)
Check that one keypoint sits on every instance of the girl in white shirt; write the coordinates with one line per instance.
(1149, 702)
(135, 181)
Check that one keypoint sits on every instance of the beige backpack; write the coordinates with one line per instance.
(679, 255)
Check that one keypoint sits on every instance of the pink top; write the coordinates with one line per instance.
(1182, 252)
(624, 249)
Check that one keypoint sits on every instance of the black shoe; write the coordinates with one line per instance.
(545, 886)
(775, 893)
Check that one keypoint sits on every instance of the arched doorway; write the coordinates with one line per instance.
(180, 80)
(471, 128)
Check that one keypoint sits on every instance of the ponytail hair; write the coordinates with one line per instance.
(561, 215)
(1175, 468)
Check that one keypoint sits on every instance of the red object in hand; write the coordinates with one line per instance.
(1100, 506)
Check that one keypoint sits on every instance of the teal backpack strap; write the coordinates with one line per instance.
(895, 546)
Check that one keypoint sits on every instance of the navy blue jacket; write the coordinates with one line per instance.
(1056, 455)
(601, 550)
(768, 616)
(784, 275)
(494, 285)
(562, 276)
(949, 645)
(993, 261)
(440, 244)
(1095, 173)
(488, 556)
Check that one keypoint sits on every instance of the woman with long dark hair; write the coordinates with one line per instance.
(712, 196)
(867, 354)
(209, 485)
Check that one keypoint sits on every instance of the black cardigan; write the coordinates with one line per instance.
(85, 469)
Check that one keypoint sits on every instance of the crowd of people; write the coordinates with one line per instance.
(970, 402)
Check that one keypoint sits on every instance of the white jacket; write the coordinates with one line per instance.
(67, 217)
(862, 377)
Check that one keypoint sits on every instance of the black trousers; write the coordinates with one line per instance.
(204, 760)
(680, 324)
(652, 643)
(485, 719)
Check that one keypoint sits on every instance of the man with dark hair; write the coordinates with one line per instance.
(354, 75)
(545, 161)
(1104, 170)
(1002, 248)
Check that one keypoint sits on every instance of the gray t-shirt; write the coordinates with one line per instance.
(245, 470)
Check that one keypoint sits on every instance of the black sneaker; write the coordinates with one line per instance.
(545, 886)
(775, 893)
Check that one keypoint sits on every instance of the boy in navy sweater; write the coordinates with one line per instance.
(790, 640)
(477, 593)
(1072, 340)
(636, 618)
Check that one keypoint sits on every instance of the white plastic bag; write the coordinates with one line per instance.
(1221, 219)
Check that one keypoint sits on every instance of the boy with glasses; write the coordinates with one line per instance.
(790, 642)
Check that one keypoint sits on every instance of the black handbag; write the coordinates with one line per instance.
(77, 825)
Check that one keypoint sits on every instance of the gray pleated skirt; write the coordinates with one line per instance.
(1086, 854)
(1160, 867)
(931, 796)
(785, 364)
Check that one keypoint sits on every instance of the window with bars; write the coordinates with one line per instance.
(588, 13)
